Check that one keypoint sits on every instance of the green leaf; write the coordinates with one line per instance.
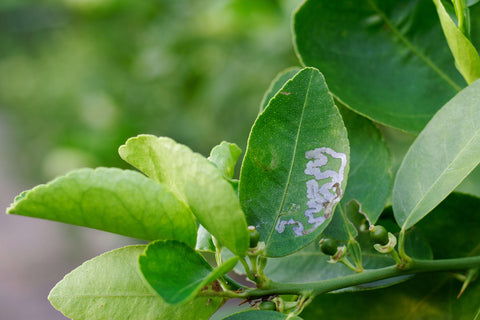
(225, 156)
(440, 158)
(370, 159)
(370, 165)
(204, 240)
(381, 58)
(196, 181)
(110, 286)
(177, 272)
(452, 227)
(119, 201)
(300, 131)
(466, 56)
(261, 314)
(277, 84)
(427, 296)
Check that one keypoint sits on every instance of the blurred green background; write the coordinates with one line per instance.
(79, 77)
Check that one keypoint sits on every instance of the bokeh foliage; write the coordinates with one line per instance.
(77, 78)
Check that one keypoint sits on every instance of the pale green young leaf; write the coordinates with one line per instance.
(466, 56)
(440, 158)
(111, 286)
(119, 201)
(381, 58)
(196, 181)
(204, 240)
(225, 157)
(283, 191)
(261, 314)
(177, 272)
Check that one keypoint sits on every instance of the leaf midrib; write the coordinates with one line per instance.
(414, 49)
(287, 185)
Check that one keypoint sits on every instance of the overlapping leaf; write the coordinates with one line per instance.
(119, 201)
(296, 165)
(440, 158)
(110, 286)
(427, 296)
(261, 314)
(370, 159)
(177, 272)
(466, 56)
(196, 181)
(381, 58)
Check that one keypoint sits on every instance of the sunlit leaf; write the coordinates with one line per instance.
(466, 56)
(225, 156)
(196, 181)
(177, 272)
(296, 165)
(440, 158)
(110, 286)
(119, 201)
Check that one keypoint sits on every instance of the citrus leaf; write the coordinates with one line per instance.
(370, 159)
(381, 58)
(440, 158)
(466, 56)
(452, 227)
(426, 296)
(277, 84)
(110, 286)
(196, 181)
(261, 314)
(119, 201)
(296, 164)
(204, 240)
(225, 156)
(177, 272)
(370, 165)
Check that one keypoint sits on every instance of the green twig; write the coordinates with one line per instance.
(320, 287)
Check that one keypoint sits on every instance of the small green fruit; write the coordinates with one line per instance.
(328, 246)
(267, 305)
(379, 235)
(254, 236)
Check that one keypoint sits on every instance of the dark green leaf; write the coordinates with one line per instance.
(177, 272)
(370, 177)
(427, 296)
(119, 201)
(261, 314)
(196, 181)
(440, 158)
(277, 84)
(381, 58)
(370, 160)
(110, 286)
(300, 131)
(452, 227)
